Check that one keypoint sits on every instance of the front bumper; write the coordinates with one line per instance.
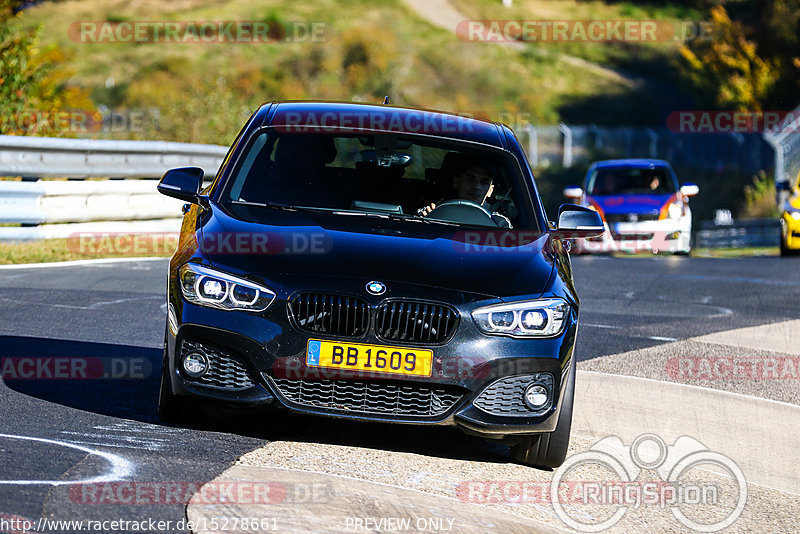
(272, 352)
(669, 235)
(791, 231)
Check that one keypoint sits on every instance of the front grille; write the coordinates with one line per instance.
(225, 371)
(505, 396)
(420, 322)
(338, 315)
(626, 217)
(371, 397)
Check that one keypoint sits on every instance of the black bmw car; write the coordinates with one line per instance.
(376, 263)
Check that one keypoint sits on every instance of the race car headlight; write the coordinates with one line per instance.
(215, 289)
(675, 210)
(529, 318)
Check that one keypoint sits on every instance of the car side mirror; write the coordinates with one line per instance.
(689, 190)
(573, 192)
(183, 183)
(577, 221)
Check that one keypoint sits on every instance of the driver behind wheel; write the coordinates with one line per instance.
(472, 180)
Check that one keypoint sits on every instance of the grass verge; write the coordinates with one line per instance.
(735, 252)
(49, 250)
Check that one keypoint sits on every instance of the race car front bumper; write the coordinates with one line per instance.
(668, 235)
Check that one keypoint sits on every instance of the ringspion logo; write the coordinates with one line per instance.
(684, 484)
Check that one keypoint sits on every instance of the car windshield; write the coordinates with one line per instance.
(382, 175)
(625, 180)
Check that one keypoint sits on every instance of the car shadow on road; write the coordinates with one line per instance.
(438, 441)
(123, 381)
(116, 380)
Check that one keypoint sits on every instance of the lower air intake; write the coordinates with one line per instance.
(366, 397)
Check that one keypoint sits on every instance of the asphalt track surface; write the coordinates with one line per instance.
(56, 432)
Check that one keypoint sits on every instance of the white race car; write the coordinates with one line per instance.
(641, 203)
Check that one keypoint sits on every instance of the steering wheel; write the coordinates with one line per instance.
(464, 212)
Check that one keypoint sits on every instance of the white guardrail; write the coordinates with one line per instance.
(64, 208)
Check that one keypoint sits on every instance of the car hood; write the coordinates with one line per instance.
(340, 246)
(613, 204)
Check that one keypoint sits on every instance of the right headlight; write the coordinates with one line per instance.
(527, 318)
(215, 289)
(675, 210)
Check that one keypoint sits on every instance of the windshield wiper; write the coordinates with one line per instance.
(277, 206)
(406, 217)
(419, 218)
(345, 212)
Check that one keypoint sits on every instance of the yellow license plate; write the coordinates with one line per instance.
(370, 358)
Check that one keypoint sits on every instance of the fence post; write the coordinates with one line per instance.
(780, 171)
(533, 145)
(653, 146)
(566, 131)
(598, 141)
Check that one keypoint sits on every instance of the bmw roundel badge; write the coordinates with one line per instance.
(376, 288)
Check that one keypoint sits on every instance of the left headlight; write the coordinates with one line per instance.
(215, 289)
(529, 318)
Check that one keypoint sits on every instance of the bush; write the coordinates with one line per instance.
(33, 87)
(759, 198)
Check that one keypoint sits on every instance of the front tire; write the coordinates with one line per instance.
(172, 408)
(786, 251)
(549, 449)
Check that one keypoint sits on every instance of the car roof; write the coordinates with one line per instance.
(642, 163)
(357, 117)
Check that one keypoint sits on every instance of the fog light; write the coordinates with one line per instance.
(195, 364)
(536, 396)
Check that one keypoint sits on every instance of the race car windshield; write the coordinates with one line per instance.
(389, 175)
(616, 181)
